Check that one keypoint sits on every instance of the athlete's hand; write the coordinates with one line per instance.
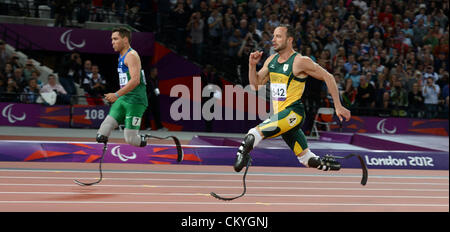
(343, 112)
(111, 97)
(255, 57)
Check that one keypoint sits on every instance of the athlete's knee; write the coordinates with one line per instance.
(251, 140)
(133, 138)
(107, 126)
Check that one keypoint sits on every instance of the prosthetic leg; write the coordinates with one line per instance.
(100, 139)
(251, 140)
(243, 159)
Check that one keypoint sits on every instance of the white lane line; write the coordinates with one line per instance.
(231, 187)
(221, 203)
(227, 173)
(225, 194)
(215, 180)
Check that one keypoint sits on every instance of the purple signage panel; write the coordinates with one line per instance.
(74, 39)
(211, 155)
(54, 116)
(396, 125)
(15, 114)
(18, 151)
(393, 159)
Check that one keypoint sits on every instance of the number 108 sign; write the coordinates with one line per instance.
(86, 116)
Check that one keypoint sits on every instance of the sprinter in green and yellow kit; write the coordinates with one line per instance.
(130, 101)
(287, 72)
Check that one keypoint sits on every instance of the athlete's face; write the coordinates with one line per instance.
(280, 40)
(117, 41)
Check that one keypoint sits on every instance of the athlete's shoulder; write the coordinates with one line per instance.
(270, 58)
(299, 58)
(301, 64)
(133, 53)
(132, 56)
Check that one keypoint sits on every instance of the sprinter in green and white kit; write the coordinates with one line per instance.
(130, 101)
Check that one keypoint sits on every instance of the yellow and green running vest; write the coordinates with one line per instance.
(286, 89)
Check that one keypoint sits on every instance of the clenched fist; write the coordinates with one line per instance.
(254, 57)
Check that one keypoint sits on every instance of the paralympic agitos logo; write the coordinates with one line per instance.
(6, 112)
(115, 151)
(65, 39)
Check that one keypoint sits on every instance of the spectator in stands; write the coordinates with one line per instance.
(133, 17)
(365, 96)
(8, 71)
(420, 31)
(72, 68)
(416, 101)
(180, 15)
(247, 46)
(35, 75)
(14, 61)
(259, 19)
(350, 63)
(421, 15)
(429, 72)
(93, 83)
(441, 61)
(234, 43)
(215, 25)
(61, 10)
(83, 13)
(28, 69)
(31, 92)
(354, 75)
(399, 99)
(331, 45)
(153, 93)
(386, 105)
(380, 88)
(340, 81)
(12, 91)
(97, 11)
(52, 86)
(4, 56)
(87, 68)
(430, 92)
(71, 73)
(19, 79)
(349, 95)
(195, 26)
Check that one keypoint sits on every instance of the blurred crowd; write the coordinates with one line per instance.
(385, 54)
(22, 82)
(77, 12)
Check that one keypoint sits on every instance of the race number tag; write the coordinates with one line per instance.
(136, 121)
(123, 79)
(278, 91)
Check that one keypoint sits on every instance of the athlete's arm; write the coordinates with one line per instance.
(306, 65)
(133, 62)
(257, 79)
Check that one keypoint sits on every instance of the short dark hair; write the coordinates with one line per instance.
(123, 32)
(290, 30)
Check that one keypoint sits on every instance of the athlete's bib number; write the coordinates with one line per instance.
(278, 91)
(123, 79)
